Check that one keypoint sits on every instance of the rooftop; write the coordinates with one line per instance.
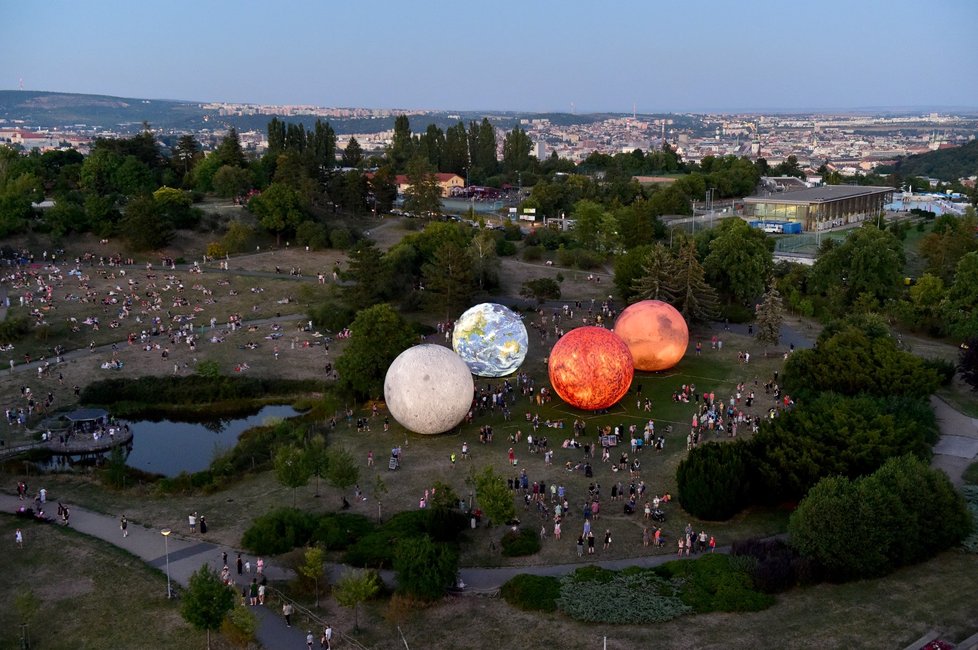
(821, 194)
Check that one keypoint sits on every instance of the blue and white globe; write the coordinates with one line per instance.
(491, 339)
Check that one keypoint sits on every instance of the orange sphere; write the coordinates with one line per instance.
(590, 368)
(655, 333)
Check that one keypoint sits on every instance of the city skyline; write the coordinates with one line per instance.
(705, 56)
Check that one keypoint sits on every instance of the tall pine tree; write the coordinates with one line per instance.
(658, 281)
(695, 299)
(770, 315)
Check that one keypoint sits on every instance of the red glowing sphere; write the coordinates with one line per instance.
(591, 368)
(655, 333)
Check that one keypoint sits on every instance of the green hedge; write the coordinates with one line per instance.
(532, 593)
(377, 548)
(166, 391)
(715, 583)
(281, 530)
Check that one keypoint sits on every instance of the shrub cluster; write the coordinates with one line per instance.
(377, 549)
(520, 542)
(715, 583)
(712, 583)
(629, 597)
(903, 513)
(774, 566)
(532, 593)
(970, 493)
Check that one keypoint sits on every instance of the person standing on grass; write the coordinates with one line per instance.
(607, 538)
(580, 546)
(192, 521)
(590, 543)
(19, 538)
(326, 640)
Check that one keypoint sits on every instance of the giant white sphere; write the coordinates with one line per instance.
(428, 389)
(491, 339)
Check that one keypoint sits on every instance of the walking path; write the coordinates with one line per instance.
(187, 553)
(958, 445)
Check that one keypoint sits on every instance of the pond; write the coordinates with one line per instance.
(168, 447)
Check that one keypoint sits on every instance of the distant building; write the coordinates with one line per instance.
(447, 182)
(819, 208)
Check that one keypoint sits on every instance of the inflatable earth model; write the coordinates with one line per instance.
(491, 339)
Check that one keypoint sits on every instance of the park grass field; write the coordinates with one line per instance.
(91, 594)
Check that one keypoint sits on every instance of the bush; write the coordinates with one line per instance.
(377, 549)
(715, 583)
(627, 597)
(423, 568)
(775, 566)
(903, 513)
(331, 316)
(14, 329)
(714, 481)
(971, 474)
(279, 531)
(520, 542)
(339, 531)
(945, 369)
(970, 492)
(505, 248)
(532, 254)
(312, 234)
(340, 238)
(532, 593)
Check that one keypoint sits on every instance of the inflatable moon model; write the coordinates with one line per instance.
(428, 389)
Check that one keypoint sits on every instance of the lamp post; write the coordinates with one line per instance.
(166, 550)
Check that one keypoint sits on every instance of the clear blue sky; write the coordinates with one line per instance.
(526, 55)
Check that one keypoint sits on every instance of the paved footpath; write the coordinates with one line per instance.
(187, 554)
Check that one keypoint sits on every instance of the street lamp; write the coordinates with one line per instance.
(166, 549)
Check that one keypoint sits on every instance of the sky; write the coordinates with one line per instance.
(503, 55)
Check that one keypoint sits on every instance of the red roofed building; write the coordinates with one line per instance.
(446, 181)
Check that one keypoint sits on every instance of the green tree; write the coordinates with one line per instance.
(367, 277)
(657, 280)
(143, 226)
(429, 145)
(423, 195)
(278, 209)
(313, 568)
(356, 587)
(378, 335)
(541, 289)
(402, 146)
(951, 239)
(962, 299)
(455, 152)
(713, 481)
(516, 151)
(342, 470)
(238, 237)
(317, 458)
(854, 359)
(383, 185)
(695, 299)
(291, 468)
(352, 153)
(229, 151)
(424, 569)
(186, 154)
(230, 182)
(739, 262)
(869, 261)
(495, 499)
(770, 316)
(485, 261)
(448, 278)
(207, 601)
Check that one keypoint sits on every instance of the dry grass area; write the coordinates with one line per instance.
(92, 595)
(887, 613)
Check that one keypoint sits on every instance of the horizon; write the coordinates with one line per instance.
(707, 56)
(861, 110)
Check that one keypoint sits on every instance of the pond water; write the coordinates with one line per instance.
(168, 447)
